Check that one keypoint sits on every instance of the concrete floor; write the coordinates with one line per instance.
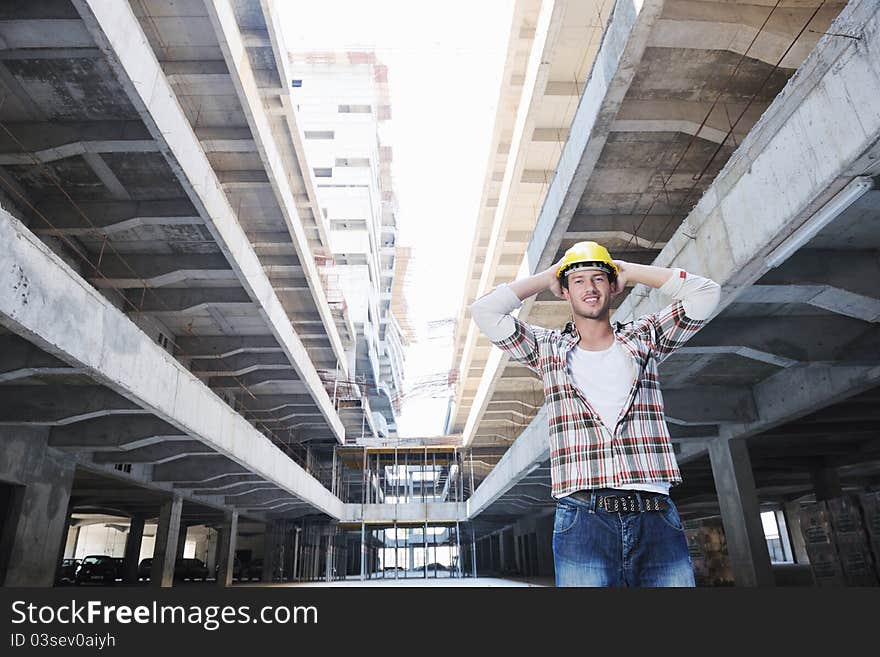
(467, 582)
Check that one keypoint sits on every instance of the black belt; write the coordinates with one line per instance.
(624, 503)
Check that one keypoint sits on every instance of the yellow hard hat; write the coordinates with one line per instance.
(587, 255)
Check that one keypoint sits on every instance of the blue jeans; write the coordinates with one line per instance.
(593, 547)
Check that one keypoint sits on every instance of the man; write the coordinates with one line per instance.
(611, 459)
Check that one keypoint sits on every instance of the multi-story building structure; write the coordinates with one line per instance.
(171, 353)
(342, 100)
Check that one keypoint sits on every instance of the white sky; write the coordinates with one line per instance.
(445, 61)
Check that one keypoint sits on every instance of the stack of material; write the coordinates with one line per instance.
(853, 546)
(707, 545)
(836, 542)
(871, 512)
(819, 541)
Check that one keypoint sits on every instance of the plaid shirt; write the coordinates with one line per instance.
(584, 453)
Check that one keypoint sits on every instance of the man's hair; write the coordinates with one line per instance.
(564, 280)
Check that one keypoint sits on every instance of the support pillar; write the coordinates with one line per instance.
(502, 566)
(226, 549)
(181, 541)
(740, 512)
(826, 483)
(64, 534)
(328, 560)
(297, 531)
(795, 535)
(37, 519)
(270, 551)
(133, 550)
(165, 550)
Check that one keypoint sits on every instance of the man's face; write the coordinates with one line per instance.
(589, 292)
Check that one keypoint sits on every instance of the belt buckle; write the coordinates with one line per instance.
(614, 503)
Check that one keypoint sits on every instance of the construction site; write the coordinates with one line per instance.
(204, 322)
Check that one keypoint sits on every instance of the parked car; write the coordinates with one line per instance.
(67, 572)
(99, 569)
(191, 569)
(253, 570)
(144, 568)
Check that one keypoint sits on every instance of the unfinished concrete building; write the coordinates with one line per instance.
(737, 140)
(171, 347)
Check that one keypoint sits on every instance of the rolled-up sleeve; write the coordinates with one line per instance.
(519, 340)
(695, 298)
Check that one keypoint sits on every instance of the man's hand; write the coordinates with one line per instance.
(622, 278)
(631, 273)
(554, 283)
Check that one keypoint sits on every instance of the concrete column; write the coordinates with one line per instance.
(226, 549)
(133, 550)
(740, 512)
(165, 550)
(32, 538)
(826, 483)
(72, 542)
(296, 552)
(211, 556)
(517, 556)
(63, 545)
(270, 550)
(328, 561)
(181, 541)
(795, 535)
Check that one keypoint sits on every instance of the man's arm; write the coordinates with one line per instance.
(491, 313)
(698, 295)
(694, 300)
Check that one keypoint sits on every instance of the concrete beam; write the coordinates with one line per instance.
(157, 453)
(414, 512)
(240, 364)
(216, 347)
(709, 405)
(259, 497)
(45, 293)
(114, 433)
(761, 197)
(247, 86)
(21, 359)
(188, 300)
(615, 66)
(245, 489)
(223, 483)
(116, 30)
(78, 149)
(549, 22)
(54, 405)
(105, 174)
(114, 217)
(199, 469)
(135, 270)
(739, 28)
(788, 341)
(798, 391)
(255, 379)
(44, 33)
(827, 297)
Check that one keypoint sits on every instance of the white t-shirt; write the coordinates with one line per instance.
(605, 378)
